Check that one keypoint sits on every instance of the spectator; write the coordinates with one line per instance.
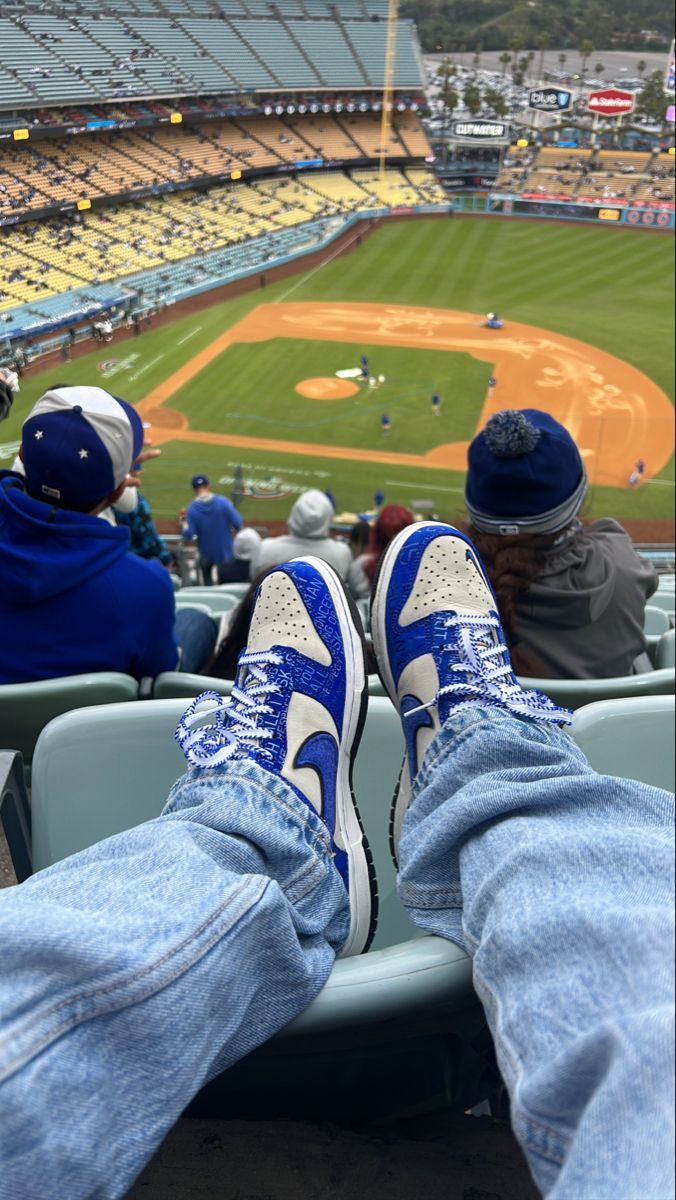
(144, 538)
(360, 536)
(361, 574)
(571, 597)
(212, 520)
(245, 548)
(73, 599)
(309, 523)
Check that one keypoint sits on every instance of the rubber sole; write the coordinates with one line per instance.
(363, 890)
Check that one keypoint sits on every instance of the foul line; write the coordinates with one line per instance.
(188, 336)
(147, 367)
(304, 278)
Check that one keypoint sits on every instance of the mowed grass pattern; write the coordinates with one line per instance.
(608, 287)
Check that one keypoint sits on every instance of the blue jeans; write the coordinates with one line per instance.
(137, 970)
(196, 634)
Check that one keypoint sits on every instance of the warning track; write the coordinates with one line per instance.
(615, 412)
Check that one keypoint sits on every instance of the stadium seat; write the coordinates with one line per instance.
(665, 651)
(171, 684)
(664, 600)
(574, 693)
(25, 708)
(656, 620)
(630, 738)
(211, 599)
(408, 1004)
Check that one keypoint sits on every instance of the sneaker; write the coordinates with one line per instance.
(439, 644)
(297, 708)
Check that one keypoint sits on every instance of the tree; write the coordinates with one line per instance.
(543, 43)
(585, 49)
(472, 98)
(563, 58)
(495, 101)
(599, 68)
(476, 60)
(505, 58)
(651, 102)
(447, 93)
(641, 66)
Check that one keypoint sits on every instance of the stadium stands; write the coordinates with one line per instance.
(63, 253)
(149, 50)
(38, 174)
(627, 177)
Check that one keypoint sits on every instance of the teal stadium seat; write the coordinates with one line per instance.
(408, 1004)
(630, 738)
(25, 708)
(574, 693)
(655, 620)
(211, 599)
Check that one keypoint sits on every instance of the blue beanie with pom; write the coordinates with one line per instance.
(525, 475)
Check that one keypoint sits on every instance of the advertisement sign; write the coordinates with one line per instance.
(609, 214)
(670, 73)
(550, 99)
(480, 129)
(611, 102)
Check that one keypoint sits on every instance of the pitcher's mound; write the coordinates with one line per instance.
(328, 388)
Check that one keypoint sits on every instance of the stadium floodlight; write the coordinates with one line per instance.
(291, 108)
(302, 108)
(279, 109)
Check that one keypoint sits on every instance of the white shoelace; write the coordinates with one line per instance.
(234, 726)
(488, 676)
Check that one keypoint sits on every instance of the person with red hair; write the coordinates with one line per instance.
(391, 520)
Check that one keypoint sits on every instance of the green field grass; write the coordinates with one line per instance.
(251, 390)
(611, 288)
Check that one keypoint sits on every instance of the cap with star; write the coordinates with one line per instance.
(77, 446)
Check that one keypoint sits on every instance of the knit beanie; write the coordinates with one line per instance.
(525, 475)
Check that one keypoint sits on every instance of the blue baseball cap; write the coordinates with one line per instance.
(199, 481)
(77, 446)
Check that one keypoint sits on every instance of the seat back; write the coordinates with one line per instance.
(655, 620)
(212, 599)
(629, 738)
(125, 757)
(574, 693)
(665, 651)
(171, 684)
(26, 708)
(664, 599)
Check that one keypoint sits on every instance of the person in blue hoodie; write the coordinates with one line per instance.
(73, 599)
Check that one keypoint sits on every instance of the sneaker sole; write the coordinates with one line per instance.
(363, 892)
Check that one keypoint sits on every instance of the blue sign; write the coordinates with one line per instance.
(550, 99)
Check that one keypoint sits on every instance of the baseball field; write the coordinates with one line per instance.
(266, 381)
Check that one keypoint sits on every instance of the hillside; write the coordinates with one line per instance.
(493, 24)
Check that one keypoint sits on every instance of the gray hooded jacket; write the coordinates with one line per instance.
(582, 618)
(309, 523)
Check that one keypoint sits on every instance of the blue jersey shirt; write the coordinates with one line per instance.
(212, 520)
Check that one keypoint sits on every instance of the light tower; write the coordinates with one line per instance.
(386, 116)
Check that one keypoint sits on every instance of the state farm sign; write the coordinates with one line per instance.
(611, 102)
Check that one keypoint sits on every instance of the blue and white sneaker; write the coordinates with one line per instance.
(297, 708)
(439, 644)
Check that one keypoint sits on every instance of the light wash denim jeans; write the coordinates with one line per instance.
(134, 972)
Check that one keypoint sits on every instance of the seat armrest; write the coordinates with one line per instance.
(15, 813)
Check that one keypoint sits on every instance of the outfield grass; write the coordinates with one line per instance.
(608, 287)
